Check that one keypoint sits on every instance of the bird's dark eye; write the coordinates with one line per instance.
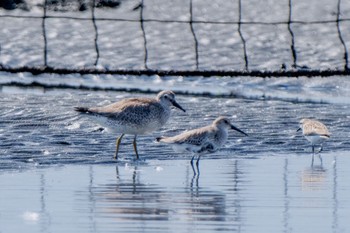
(226, 121)
(166, 97)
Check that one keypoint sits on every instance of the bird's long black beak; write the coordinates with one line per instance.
(298, 129)
(177, 105)
(235, 128)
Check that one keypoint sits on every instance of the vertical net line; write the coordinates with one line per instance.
(194, 34)
(292, 46)
(143, 34)
(241, 35)
(93, 3)
(43, 25)
(346, 67)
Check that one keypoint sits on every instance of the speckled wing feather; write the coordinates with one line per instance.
(312, 127)
(130, 111)
(194, 137)
(123, 105)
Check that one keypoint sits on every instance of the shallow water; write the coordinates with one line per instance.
(280, 193)
(57, 172)
(38, 129)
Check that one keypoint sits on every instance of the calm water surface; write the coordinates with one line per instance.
(279, 193)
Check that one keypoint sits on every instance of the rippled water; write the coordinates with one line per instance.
(57, 172)
(41, 129)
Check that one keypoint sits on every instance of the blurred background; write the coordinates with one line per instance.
(186, 35)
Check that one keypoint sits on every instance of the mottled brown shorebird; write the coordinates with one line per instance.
(135, 116)
(203, 140)
(315, 132)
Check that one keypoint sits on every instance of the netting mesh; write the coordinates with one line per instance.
(192, 37)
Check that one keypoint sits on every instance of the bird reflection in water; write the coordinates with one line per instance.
(131, 197)
(314, 178)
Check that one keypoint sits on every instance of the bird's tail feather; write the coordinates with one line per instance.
(81, 109)
(158, 139)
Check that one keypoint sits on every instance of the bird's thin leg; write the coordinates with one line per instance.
(135, 147)
(194, 171)
(197, 164)
(117, 146)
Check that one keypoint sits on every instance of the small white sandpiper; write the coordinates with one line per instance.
(203, 140)
(134, 116)
(315, 132)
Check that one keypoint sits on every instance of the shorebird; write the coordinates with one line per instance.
(203, 140)
(315, 132)
(135, 116)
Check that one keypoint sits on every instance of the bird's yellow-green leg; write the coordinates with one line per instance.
(117, 146)
(135, 147)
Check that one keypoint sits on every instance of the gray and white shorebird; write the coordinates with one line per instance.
(203, 140)
(315, 132)
(135, 116)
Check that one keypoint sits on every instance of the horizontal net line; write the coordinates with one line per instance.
(203, 73)
(182, 21)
